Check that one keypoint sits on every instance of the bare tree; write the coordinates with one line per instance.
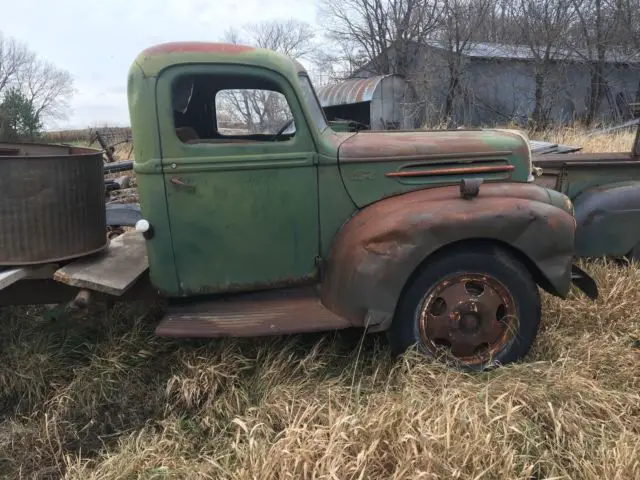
(629, 14)
(290, 37)
(498, 25)
(629, 34)
(545, 25)
(14, 56)
(461, 19)
(383, 34)
(47, 87)
(594, 36)
(337, 62)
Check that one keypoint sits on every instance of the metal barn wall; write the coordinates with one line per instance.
(505, 92)
(500, 91)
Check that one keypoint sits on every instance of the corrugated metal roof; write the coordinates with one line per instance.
(355, 90)
(524, 52)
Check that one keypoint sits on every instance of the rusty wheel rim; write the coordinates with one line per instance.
(468, 318)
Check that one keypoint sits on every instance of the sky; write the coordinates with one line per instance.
(97, 41)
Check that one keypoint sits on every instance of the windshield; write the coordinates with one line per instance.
(312, 102)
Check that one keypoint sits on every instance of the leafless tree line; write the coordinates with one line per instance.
(47, 87)
(382, 35)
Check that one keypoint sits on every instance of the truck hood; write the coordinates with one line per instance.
(377, 164)
(368, 145)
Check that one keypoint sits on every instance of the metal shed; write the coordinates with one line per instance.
(380, 102)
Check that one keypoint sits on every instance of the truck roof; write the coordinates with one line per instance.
(156, 58)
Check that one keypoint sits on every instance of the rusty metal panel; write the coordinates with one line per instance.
(52, 205)
(580, 159)
(259, 313)
(355, 90)
(377, 250)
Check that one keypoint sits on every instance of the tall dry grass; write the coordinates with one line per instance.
(102, 398)
(618, 141)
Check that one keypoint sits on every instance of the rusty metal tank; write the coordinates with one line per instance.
(51, 203)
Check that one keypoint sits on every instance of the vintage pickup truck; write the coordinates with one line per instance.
(605, 191)
(257, 218)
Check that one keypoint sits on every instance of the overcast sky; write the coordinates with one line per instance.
(97, 40)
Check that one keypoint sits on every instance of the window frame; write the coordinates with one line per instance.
(173, 148)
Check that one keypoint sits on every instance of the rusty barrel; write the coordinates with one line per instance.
(52, 203)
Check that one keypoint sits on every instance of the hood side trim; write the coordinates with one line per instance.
(433, 156)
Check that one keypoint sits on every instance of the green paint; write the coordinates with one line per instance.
(150, 182)
(252, 216)
(342, 125)
(240, 216)
(609, 201)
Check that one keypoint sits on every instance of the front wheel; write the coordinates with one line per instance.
(476, 307)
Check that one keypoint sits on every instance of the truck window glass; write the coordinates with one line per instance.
(253, 112)
(222, 109)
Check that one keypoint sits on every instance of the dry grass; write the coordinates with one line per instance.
(106, 399)
(620, 141)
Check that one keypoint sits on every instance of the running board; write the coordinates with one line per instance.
(257, 314)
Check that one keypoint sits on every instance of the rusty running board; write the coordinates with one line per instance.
(256, 314)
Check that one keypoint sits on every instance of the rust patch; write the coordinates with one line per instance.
(468, 317)
(559, 160)
(196, 47)
(255, 314)
(420, 145)
(247, 287)
(453, 171)
(358, 176)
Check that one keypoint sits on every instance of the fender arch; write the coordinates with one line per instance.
(608, 219)
(380, 247)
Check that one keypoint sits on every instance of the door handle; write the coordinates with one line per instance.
(180, 183)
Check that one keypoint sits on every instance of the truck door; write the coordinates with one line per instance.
(240, 178)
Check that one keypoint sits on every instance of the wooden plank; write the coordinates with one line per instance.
(112, 271)
(10, 276)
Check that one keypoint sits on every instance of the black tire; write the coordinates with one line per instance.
(494, 268)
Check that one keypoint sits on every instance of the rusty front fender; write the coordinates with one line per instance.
(378, 249)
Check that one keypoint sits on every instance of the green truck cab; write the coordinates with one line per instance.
(284, 225)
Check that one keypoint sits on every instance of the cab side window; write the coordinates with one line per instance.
(253, 112)
(224, 109)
